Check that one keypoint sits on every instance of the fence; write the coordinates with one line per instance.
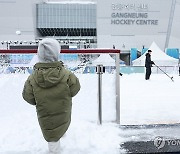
(155, 70)
(13, 61)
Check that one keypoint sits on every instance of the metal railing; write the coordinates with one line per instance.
(155, 70)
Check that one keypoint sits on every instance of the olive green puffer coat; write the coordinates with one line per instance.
(51, 88)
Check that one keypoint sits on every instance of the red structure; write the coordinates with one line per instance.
(83, 51)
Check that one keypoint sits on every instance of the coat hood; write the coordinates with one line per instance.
(48, 74)
(48, 50)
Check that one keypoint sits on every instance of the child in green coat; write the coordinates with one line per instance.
(51, 88)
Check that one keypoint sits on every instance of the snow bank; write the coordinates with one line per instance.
(21, 134)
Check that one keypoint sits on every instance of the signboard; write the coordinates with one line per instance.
(130, 21)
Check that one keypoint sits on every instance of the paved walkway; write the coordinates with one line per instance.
(142, 147)
(149, 139)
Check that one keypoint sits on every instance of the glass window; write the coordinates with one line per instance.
(66, 15)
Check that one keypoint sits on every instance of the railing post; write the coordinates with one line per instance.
(100, 70)
(117, 89)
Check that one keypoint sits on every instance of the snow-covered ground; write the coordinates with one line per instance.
(142, 102)
(150, 102)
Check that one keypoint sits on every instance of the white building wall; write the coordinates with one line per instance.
(17, 15)
(127, 32)
(21, 15)
(174, 41)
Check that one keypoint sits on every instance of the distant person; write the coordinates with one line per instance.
(148, 64)
(51, 88)
(179, 68)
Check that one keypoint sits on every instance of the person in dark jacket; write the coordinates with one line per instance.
(148, 64)
(179, 67)
(50, 88)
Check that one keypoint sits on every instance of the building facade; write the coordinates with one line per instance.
(136, 24)
(123, 24)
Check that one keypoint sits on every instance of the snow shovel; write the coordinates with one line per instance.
(165, 73)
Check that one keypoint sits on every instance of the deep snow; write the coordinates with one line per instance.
(155, 101)
(142, 102)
